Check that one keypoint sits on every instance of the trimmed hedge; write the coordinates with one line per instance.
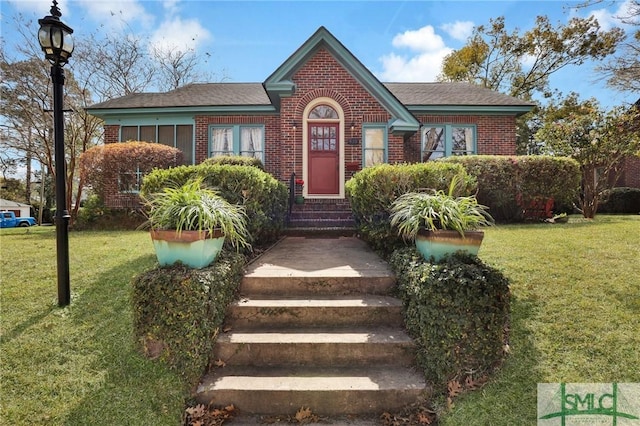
(372, 190)
(621, 200)
(235, 160)
(264, 197)
(177, 312)
(458, 312)
(503, 180)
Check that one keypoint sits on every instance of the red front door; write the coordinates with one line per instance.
(324, 170)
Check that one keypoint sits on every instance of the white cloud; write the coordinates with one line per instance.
(170, 6)
(424, 65)
(459, 30)
(118, 14)
(609, 19)
(422, 40)
(179, 34)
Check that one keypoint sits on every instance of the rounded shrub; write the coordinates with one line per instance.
(458, 312)
(621, 200)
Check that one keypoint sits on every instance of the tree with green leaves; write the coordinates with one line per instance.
(520, 64)
(598, 140)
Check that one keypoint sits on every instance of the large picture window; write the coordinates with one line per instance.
(247, 141)
(444, 140)
(178, 136)
(374, 144)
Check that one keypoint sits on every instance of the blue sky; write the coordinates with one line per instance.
(396, 40)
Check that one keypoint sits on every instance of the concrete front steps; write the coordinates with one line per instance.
(326, 337)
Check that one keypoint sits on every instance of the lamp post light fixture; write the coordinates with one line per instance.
(57, 44)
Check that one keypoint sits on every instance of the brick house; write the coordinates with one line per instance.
(321, 115)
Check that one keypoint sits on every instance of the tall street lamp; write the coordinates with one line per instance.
(56, 42)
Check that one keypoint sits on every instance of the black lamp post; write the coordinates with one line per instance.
(56, 42)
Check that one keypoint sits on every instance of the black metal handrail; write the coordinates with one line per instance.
(292, 194)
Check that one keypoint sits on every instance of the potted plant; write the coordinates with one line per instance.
(299, 197)
(440, 223)
(190, 224)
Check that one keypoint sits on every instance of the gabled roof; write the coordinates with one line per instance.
(279, 84)
(402, 100)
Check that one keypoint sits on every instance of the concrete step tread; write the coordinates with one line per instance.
(319, 301)
(312, 379)
(317, 336)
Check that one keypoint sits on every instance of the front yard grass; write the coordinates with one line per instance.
(575, 313)
(78, 365)
(575, 318)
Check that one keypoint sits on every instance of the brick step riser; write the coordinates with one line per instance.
(321, 215)
(315, 286)
(252, 318)
(324, 403)
(321, 223)
(320, 207)
(315, 354)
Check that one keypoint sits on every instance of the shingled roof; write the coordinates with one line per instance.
(249, 94)
(428, 94)
(193, 95)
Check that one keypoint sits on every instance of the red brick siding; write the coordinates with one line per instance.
(323, 76)
(111, 133)
(631, 173)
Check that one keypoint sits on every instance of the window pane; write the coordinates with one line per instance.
(373, 138)
(462, 140)
(374, 146)
(251, 142)
(222, 141)
(323, 111)
(184, 142)
(129, 181)
(128, 133)
(148, 133)
(166, 136)
(433, 143)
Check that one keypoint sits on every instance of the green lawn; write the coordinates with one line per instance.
(575, 313)
(576, 316)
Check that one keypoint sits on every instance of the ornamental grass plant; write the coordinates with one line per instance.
(190, 207)
(437, 210)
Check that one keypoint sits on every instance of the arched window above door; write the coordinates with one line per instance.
(323, 112)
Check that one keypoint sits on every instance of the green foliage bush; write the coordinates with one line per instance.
(502, 180)
(372, 190)
(96, 216)
(235, 160)
(621, 200)
(177, 312)
(458, 312)
(263, 197)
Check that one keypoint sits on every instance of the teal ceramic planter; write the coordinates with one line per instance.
(193, 248)
(438, 244)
